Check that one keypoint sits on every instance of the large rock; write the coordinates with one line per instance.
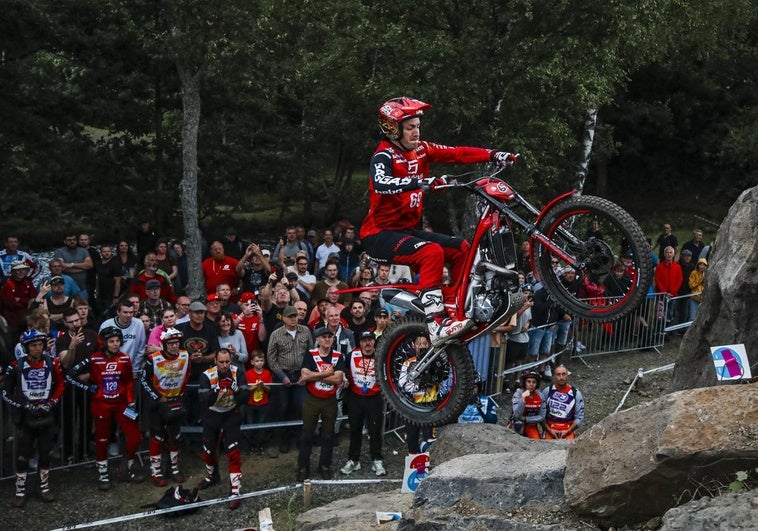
(728, 511)
(455, 440)
(515, 490)
(727, 313)
(636, 464)
(484, 476)
(354, 513)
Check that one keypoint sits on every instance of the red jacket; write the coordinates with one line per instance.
(668, 278)
(395, 200)
(14, 300)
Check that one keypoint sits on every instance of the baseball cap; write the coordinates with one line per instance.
(197, 306)
(291, 276)
(289, 311)
(367, 334)
(265, 252)
(383, 312)
(312, 233)
(248, 296)
(57, 279)
(152, 284)
(212, 297)
(322, 331)
(19, 264)
(686, 252)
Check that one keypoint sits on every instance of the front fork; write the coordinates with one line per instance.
(425, 362)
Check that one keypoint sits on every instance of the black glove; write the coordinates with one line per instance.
(503, 158)
(431, 183)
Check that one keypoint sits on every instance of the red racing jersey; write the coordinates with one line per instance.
(395, 175)
(112, 375)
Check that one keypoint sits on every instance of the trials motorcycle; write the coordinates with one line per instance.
(432, 386)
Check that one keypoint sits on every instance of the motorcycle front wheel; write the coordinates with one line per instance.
(596, 234)
(439, 394)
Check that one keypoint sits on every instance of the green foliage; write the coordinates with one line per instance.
(92, 108)
(744, 480)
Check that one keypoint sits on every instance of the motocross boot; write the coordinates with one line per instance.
(441, 327)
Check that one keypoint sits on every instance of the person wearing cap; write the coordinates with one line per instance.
(153, 306)
(250, 322)
(348, 259)
(697, 277)
(152, 272)
(212, 308)
(564, 406)
(16, 294)
(11, 254)
(233, 246)
(322, 371)
(55, 266)
(366, 405)
(200, 339)
(56, 304)
(382, 319)
(284, 356)
(528, 406)
(687, 263)
(254, 268)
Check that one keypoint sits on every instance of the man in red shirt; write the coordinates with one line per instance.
(250, 323)
(668, 279)
(219, 268)
(390, 233)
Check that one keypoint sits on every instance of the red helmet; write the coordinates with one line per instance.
(394, 111)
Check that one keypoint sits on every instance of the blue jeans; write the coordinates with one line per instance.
(540, 341)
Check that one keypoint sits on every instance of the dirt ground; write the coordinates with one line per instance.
(602, 379)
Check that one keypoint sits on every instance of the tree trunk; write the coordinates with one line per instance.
(589, 137)
(190, 79)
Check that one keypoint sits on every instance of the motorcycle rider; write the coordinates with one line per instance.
(112, 382)
(33, 388)
(390, 232)
(223, 389)
(164, 379)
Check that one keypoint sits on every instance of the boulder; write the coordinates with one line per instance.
(726, 315)
(514, 490)
(455, 440)
(636, 464)
(729, 511)
(354, 513)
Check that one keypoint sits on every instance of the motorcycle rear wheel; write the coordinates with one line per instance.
(440, 394)
(566, 224)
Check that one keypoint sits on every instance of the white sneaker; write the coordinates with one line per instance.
(350, 467)
(580, 346)
(447, 329)
(378, 467)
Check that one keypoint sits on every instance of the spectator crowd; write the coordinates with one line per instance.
(273, 340)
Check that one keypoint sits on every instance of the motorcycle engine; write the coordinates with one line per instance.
(489, 297)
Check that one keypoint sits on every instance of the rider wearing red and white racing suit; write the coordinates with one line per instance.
(390, 231)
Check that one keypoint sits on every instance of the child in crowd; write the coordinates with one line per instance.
(259, 379)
